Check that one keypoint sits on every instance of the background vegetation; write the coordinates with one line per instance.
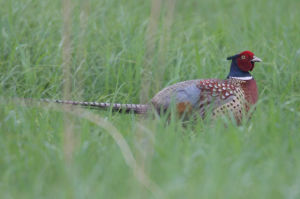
(125, 51)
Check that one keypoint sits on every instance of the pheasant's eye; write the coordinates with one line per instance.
(243, 57)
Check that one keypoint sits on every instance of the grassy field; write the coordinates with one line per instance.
(119, 48)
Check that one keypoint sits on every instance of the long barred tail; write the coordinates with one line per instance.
(127, 108)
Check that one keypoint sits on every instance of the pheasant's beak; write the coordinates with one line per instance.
(256, 59)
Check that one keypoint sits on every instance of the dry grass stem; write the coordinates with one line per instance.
(164, 42)
(150, 39)
(69, 140)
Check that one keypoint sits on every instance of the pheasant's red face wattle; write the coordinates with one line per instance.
(244, 61)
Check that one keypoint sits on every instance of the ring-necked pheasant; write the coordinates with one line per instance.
(236, 94)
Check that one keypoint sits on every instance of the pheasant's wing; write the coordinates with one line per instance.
(216, 95)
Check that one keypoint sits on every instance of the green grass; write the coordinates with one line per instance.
(259, 159)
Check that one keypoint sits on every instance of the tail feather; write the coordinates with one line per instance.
(128, 108)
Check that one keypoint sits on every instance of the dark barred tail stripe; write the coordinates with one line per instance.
(135, 108)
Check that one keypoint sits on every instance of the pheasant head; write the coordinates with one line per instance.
(242, 63)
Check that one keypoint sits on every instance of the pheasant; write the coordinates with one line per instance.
(235, 94)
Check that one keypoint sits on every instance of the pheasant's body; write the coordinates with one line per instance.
(233, 95)
(198, 96)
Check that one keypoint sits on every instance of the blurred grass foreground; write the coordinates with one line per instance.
(125, 51)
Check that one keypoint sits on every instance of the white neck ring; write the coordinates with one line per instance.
(242, 78)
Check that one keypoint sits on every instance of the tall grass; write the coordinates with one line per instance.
(109, 56)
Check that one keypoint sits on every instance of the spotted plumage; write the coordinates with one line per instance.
(233, 95)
